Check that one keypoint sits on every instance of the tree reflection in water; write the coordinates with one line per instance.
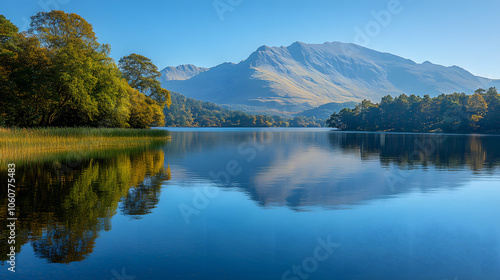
(62, 213)
(409, 150)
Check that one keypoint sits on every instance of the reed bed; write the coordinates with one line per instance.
(23, 144)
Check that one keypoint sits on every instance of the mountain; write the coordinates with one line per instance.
(182, 72)
(302, 76)
(324, 111)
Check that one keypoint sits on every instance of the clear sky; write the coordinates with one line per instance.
(208, 32)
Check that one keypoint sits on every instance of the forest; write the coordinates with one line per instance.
(58, 74)
(450, 113)
(189, 112)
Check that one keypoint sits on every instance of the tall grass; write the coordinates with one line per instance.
(22, 144)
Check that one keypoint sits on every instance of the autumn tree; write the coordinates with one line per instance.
(148, 98)
(8, 35)
(143, 75)
(477, 108)
(144, 112)
(24, 70)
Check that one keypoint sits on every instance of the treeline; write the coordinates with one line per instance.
(58, 74)
(324, 111)
(453, 113)
(189, 112)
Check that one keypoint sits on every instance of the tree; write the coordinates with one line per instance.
(26, 90)
(24, 70)
(57, 29)
(58, 74)
(148, 98)
(86, 86)
(145, 111)
(477, 108)
(335, 121)
(61, 75)
(457, 112)
(8, 35)
(143, 75)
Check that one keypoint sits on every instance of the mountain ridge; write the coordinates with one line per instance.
(303, 76)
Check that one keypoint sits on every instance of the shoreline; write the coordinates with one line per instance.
(25, 144)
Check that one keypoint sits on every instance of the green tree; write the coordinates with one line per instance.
(335, 121)
(477, 108)
(24, 70)
(143, 75)
(85, 79)
(8, 35)
(457, 112)
(144, 111)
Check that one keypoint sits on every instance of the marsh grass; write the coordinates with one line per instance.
(23, 145)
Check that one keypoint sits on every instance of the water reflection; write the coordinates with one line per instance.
(475, 152)
(63, 205)
(305, 168)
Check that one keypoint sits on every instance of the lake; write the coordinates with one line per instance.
(263, 204)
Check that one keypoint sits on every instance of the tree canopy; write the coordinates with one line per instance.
(457, 112)
(143, 75)
(58, 74)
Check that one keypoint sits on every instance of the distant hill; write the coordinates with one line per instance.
(189, 112)
(323, 112)
(303, 76)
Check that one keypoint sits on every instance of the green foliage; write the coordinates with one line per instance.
(147, 97)
(457, 112)
(145, 111)
(8, 35)
(25, 85)
(189, 112)
(70, 202)
(58, 74)
(143, 75)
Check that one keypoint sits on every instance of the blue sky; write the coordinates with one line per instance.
(173, 32)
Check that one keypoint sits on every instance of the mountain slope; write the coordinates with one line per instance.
(324, 111)
(189, 112)
(182, 72)
(302, 76)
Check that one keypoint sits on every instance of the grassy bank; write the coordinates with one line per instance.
(25, 144)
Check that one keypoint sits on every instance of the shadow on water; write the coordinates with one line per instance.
(64, 202)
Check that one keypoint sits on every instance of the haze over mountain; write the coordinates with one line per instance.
(302, 76)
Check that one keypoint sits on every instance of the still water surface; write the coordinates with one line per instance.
(264, 204)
